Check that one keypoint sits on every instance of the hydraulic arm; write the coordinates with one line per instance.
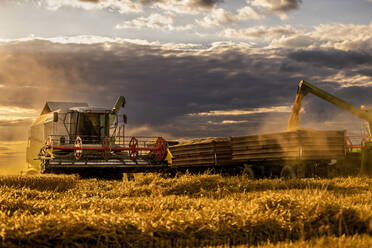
(304, 88)
(120, 103)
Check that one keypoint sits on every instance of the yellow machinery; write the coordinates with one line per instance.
(365, 151)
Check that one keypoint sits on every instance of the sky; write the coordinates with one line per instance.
(188, 68)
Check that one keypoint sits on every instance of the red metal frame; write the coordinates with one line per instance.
(160, 148)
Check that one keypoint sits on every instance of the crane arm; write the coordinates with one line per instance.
(304, 88)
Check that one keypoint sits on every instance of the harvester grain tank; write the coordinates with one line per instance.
(76, 138)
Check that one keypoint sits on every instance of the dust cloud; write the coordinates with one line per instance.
(12, 157)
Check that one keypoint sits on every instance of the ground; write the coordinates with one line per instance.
(188, 210)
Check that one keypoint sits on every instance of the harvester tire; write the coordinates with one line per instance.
(129, 177)
(287, 173)
(44, 163)
(44, 166)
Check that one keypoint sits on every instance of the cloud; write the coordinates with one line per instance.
(227, 122)
(184, 6)
(164, 83)
(280, 7)
(203, 4)
(122, 6)
(346, 37)
(332, 58)
(154, 21)
(258, 32)
(128, 6)
(16, 113)
(239, 112)
(222, 17)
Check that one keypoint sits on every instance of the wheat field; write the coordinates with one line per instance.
(185, 211)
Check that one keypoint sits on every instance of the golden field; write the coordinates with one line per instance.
(185, 211)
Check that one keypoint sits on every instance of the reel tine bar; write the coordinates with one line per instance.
(133, 149)
(161, 149)
(78, 152)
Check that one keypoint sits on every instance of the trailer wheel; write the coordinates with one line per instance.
(248, 172)
(287, 173)
(129, 177)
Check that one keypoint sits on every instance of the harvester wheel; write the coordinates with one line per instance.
(78, 152)
(44, 166)
(161, 149)
(44, 162)
(133, 149)
(287, 173)
(107, 148)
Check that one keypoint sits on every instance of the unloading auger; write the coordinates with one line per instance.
(305, 88)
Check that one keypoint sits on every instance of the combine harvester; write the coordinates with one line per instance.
(294, 153)
(76, 138)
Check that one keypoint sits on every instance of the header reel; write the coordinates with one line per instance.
(107, 150)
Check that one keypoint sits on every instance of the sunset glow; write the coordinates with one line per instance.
(188, 68)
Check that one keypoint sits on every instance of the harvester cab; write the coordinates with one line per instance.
(76, 138)
(305, 88)
(91, 124)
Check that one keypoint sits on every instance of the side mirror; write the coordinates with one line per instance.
(125, 119)
(55, 116)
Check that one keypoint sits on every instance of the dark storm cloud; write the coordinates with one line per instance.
(286, 5)
(204, 3)
(89, 1)
(278, 6)
(191, 3)
(332, 58)
(197, 4)
(163, 85)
